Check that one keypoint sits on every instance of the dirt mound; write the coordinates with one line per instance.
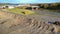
(11, 23)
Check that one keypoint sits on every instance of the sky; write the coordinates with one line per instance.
(29, 1)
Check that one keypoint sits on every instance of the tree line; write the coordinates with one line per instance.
(50, 6)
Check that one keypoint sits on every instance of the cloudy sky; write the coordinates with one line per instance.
(28, 1)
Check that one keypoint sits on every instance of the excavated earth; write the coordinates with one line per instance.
(11, 23)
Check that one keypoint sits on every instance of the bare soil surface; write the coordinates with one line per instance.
(11, 23)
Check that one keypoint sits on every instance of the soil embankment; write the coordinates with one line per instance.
(11, 23)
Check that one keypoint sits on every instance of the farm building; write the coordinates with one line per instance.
(7, 6)
(35, 7)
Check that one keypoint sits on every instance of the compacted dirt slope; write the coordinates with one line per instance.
(11, 23)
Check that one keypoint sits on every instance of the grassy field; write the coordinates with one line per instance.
(58, 11)
(20, 11)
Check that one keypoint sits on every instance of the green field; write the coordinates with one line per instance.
(20, 11)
